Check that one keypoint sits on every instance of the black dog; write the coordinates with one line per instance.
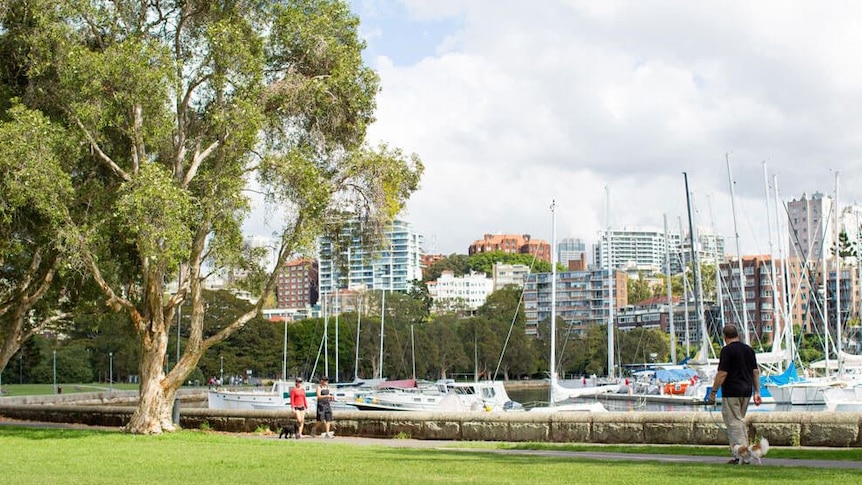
(287, 431)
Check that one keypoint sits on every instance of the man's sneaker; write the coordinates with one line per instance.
(332, 434)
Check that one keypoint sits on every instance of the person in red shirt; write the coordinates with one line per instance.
(299, 404)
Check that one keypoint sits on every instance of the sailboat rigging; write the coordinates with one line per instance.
(558, 393)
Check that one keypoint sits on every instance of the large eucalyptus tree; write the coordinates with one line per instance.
(176, 106)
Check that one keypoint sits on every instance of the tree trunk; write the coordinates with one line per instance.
(11, 337)
(153, 414)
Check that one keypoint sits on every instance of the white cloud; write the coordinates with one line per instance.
(524, 102)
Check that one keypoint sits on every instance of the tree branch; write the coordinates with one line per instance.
(197, 160)
(138, 152)
(115, 301)
(287, 247)
(43, 324)
(102, 155)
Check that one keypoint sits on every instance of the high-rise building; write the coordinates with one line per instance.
(638, 249)
(808, 226)
(570, 249)
(811, 237)
(392, 266)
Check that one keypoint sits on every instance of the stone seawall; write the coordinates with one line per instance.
(697, 428)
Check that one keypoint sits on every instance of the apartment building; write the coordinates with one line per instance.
(710, 247)
(581, 298)
(755, 298)
(296, 286)
(638, 249)
(509, 274)
(513, 244)
(467, 292)
(350, 264)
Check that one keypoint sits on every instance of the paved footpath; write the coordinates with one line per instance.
(464, 447)
(594, 455)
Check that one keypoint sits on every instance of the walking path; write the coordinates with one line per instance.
(595, 455)
(463, 447)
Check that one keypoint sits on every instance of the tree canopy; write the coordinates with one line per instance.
(153, 119)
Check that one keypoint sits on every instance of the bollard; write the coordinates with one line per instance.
(175, 414)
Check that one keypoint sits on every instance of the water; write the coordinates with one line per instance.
(539, 397)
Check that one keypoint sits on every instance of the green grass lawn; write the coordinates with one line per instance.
(60, 456)
(12, 390)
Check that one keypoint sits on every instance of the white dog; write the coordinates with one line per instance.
(753, 452)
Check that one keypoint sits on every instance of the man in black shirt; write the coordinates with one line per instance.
(738, 377)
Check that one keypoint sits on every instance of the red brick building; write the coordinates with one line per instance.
(512, 243)
(297, 284)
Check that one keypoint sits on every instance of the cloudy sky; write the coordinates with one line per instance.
(512, 104)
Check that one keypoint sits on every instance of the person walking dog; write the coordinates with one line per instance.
(738, 377)
(299, 404)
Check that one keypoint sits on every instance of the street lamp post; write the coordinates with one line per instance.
(55, 372)
(111, 370)
(221, 369)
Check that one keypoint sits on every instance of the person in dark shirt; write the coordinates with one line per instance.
(739, 379)
(324, 406)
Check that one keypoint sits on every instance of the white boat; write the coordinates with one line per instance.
(843, 399)
(590, 407)
(443, 396)
(278, 396)
(561, 393)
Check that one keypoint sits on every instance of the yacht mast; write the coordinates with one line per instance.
(717, 257)
(672, 328)
(745, 336)
(553, 362)
(685, 289)
(773, 275)
(382, 326)
(837, 279)
(789, 345)
(695, 263)
(611, 299)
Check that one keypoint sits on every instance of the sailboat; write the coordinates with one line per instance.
(558, 393)
(837, 390)
(682, 383)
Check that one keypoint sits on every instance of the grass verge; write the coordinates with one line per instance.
(64, 456)
(840, 454)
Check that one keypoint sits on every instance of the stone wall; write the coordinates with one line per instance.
(697, 428)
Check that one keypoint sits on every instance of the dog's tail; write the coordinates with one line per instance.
(764, 446)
